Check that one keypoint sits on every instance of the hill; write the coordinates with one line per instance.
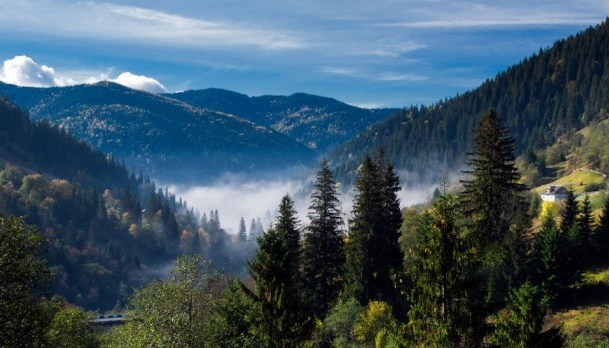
(169, 139)
(549, 95)
(106, 231)
(320, 123)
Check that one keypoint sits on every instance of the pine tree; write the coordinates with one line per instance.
(284, 323)
(549, 258)
(493, 198)
(287, 226)
(602, 232)
(585, 221)
(569, 213)
(322, 253)
(242, 234)
(439, 265)
(373, 253)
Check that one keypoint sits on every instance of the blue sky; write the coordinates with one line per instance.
(392, 53)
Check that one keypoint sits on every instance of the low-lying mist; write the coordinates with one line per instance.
(237, 197)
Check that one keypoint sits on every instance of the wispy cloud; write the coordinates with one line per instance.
(114, 22)
(338, 71)
(459, 14)
(401, 77)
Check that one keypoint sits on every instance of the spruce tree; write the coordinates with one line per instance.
(373, 253)
(287, 226)
(361, 261)
(322, 253)
(282, 322)
(569, 213)
(439, 265)
(585, 222)
(492, 197)
(602, 232)
(242, 234)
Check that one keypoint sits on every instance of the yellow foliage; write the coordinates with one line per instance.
(548, 209)
(372, 326)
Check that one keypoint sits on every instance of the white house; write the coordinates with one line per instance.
(554, 193)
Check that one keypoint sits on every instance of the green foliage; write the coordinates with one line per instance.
(373, 253)
(172, 313)
(235, 320)
(601, 232)
(371, 330)
(71, 328)
(548, 95)
(520, 324)
(440, 265)
(340, 322)
(23, 279)
(492, 196)
(323, 249)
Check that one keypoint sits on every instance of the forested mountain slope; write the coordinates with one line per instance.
(169, 139)
(553, 93)
(317, 122)
(106, 231)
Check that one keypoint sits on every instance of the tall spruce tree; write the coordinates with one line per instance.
(493, 199)
(439, 265)
(287, 226)
(283, 322)
(242, 234)
(492, 196)
(601, 232)
(373, 252)
(323, 254)
(585, 222)
(569, 213)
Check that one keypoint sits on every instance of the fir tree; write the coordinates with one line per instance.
(569, 213)
(322, 253)
(287, 226)
(585, 221)
(242, 234)
(602, 232)
(283, 322)
(373, 253)
(439, 265)
(492, 197)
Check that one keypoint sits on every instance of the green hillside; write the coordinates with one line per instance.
(547, 96)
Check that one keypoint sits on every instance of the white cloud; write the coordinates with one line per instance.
(368, 105)
(337, 71)
(401, 77)
(24, 71)
(140, 82)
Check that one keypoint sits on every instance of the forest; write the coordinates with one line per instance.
(467, 269)
(544, 98)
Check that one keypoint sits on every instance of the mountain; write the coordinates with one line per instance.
(106, 232)
(549, 95)
(320, 123)
(167, 138)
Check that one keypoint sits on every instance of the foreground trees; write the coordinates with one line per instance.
(374, 258)
(171, 313)
(23, 279)
(323, 245)
(440, 266)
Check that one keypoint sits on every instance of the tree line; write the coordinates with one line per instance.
(467, 271)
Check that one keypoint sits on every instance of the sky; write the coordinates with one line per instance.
(391, 53)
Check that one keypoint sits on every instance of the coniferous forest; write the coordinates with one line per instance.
(482, 263)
